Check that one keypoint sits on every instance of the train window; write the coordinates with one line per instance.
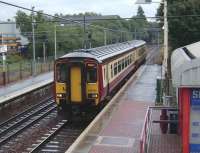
(104, 72)
(126, 62)
(130, 58)
(61, 72)
(91, 75)
(111, 68)
(115, 69)
(123, 64)
(119, 66)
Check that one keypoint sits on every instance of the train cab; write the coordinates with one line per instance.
(76, 81)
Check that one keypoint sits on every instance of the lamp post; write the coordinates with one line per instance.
(165, 60)
(33, 37)
(3, 50)
(105, 37)
(55, 40)
(55, 43)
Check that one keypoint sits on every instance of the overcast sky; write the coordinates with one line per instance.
(124, 8)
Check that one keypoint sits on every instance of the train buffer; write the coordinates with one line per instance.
(14, 90)
(126, 128)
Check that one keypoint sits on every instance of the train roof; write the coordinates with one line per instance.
(185, 66)
(105, 52)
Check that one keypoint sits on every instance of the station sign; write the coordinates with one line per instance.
(195, 121)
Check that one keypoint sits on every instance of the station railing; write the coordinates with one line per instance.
(146, 135)
(22, 70)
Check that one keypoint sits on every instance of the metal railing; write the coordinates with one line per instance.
(22, 70)
(146, 132)
(145, 138)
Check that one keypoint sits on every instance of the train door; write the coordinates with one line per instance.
(75, 84)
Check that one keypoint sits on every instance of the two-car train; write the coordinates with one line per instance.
(86, 77)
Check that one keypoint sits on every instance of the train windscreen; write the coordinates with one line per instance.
(91, 75)
(61, 72)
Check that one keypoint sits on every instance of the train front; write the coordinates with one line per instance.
(76, 82)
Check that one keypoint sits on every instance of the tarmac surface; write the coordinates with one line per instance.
(20, 87)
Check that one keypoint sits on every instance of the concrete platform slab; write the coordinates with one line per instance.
(21, 87)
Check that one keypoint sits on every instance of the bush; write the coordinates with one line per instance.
(14, 59)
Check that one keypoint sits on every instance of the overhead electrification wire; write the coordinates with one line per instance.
(57, 17)
(80, 21)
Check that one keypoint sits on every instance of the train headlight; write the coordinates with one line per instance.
(93, 95)
(60, 95)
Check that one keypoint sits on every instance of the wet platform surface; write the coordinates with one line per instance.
(19, 87)
(119, 131)
(163, 143)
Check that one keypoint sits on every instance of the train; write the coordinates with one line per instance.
(84, 78)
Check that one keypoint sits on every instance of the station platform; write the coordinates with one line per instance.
(21, 87)
(119, 129)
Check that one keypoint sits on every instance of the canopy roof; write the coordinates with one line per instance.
(185, 66)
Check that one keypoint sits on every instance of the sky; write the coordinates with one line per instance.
(123, 8)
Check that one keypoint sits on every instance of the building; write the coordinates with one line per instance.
(11, 37)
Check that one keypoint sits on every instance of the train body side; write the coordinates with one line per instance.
(116, 69)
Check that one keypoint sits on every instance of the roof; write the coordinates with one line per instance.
(185, 66)
(81, 55)
(106, 52)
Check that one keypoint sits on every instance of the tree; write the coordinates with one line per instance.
(140, 24)
(23, 21)
(183, 30)
(140, 12)
(71, 36)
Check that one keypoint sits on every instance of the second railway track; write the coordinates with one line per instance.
(18, 124)
(38, 129)
(58, 139)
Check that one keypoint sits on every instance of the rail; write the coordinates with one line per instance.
(145, 138)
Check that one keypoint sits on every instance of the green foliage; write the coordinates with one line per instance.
(71, 36)
(14, 58)
(23, 21)
(140, 12)
(182, 30)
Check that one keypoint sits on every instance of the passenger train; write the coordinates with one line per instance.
(84, 78)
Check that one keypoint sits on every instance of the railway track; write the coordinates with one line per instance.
(60, 136)
(58, 139)
(18, 124)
